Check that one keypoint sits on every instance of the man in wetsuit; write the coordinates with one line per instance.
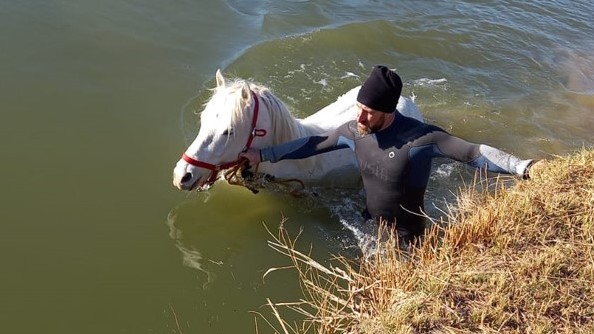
(394, 153)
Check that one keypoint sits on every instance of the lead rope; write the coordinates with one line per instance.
(239, 175)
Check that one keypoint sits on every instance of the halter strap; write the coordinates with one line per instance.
(216, 168)
(206, 165)
(255, 132)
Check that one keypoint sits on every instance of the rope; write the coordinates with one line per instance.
(240, 175)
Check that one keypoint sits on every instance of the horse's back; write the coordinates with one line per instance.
(407, 107)
(344, 109)
(336, 113)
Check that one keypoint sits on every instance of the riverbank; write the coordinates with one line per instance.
(512, 259)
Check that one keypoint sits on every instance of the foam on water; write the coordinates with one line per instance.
(430, 82)
(346, 206)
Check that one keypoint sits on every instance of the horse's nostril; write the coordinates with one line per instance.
(186, 177)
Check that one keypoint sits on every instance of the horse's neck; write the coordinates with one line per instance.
(299, 128)
(306, 130)
(284, 126)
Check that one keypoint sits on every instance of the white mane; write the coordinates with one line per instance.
(285, 126)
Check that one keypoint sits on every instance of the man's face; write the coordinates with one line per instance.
(369, 120)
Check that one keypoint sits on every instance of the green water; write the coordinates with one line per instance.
(99, 99)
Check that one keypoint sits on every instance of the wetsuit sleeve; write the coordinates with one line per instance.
(481, 156)
(306, 147)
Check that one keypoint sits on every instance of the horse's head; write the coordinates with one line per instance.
(227, 127)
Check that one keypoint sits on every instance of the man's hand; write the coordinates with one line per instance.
(253, 156)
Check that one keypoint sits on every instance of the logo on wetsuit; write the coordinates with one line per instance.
(374, 169)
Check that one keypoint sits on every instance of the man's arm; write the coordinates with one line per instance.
(303, 147)
(482, 156)
(498, 161)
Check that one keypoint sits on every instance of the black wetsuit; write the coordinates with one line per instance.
(395, 163)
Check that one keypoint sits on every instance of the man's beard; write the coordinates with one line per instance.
(363, 129)
(368, 129)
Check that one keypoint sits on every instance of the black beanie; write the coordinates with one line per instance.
(381, 90)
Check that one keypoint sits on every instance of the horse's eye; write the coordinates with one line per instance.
(228, 132)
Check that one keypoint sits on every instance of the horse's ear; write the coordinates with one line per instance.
(220, 79)
(245, 90)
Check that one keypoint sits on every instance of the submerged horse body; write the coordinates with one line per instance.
(242, 115)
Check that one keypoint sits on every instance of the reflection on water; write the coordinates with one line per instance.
(191, 257)
(211, 226)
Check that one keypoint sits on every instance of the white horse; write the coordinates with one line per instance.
(241, 115)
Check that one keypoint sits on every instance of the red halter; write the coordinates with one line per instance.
(215, 169)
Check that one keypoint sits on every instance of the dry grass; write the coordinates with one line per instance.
(516, 259)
